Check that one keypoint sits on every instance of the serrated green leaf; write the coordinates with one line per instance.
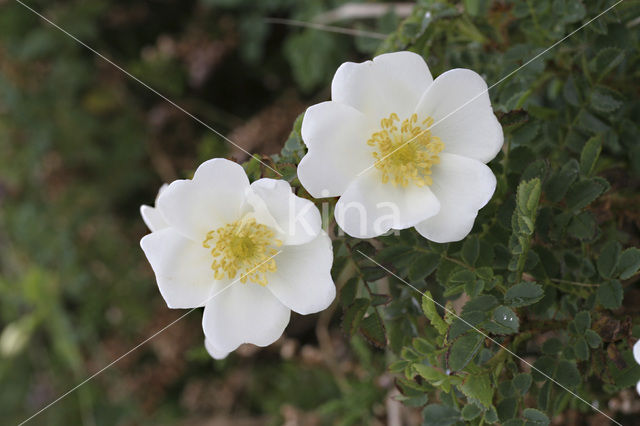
(505, 317)
(463, 350)
(478, 388)
(373, 329)
(552, 346)
(535, 417)
(581, 349)
(349, 290)
(604, 100)
(589, 155)
(423, 266)
(440, 415)
(567, 373)
(507, 408)
(582, 226)
(608, 259)
(582, 321)
(423, 346)
(523, 294)
(353, 315)
(593, 339)
(582, 193)
(470, 250)
(609, 294)
(429, 310)
(606, 60)
(471, 411)
(628, 263)
(558, 184)
(522, 382)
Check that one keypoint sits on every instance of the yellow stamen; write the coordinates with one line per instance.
(243, 247)
(405, 155)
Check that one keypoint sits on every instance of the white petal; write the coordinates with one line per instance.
(213, 198)
(638, 387)
(463, 186)
(303, 280)
(244, 313)
(182, 268)
(336, 136)
(369, 208)
(213, 351)
(459, 103)
(392, 82)
(298, 220)
(636, 351)
(152, 218)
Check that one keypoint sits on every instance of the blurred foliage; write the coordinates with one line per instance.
(549, 270)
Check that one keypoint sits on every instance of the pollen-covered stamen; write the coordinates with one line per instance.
(244, 248)
(405, 154)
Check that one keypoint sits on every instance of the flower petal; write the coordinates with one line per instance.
(392, 82)
(458, 101)
(303, 280)
(463, 186)
(636, 351)
(298, 220)
(244, 313)
(213, 351)
(152, 218)
(213, 198)
(369, 208)
(182, 268)
(336, 136)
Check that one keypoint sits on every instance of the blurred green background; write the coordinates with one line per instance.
(82, 146)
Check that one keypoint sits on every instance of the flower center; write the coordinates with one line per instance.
(243, 247)
(406, 154)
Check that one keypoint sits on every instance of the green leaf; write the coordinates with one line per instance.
(608, 259)
(429, 309)
(349, 290)
(582, 226)
(353, 315)
(429, 373)
(582, 193)
(567, 373)
(471, 411)
(507, 408)
(558, 184)
(505, 318)
(464, 349)
(582, 321)
(593, 339)
(606, 60)
(628, 263)
(589, 155)
(471, 250)
(552, 346)
(609, 294)
(372, 327)
(581, 349)
(440, 415)
(522, 382)
(535, 417)
(513, 422)
(605, 100)
(523, 294)
(478, 388)
(527, 196)
(423, 266)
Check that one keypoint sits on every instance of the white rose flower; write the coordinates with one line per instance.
(358, 150)
(248, 253)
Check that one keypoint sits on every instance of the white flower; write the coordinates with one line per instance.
(151, 216)
(358, 148)
(636, 355)
(248, 253)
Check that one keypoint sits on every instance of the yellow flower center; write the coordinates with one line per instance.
(406, 154)
(243, 247)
